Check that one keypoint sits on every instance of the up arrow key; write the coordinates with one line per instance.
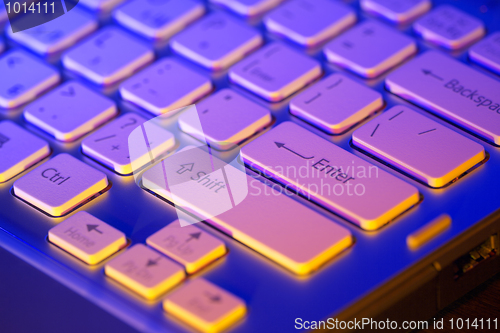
(91, 227)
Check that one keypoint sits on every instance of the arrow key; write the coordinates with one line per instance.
(87, 238)
(205, 306)
(188, 245)
(145, 271)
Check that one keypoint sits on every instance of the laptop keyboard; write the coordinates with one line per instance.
(296, 83)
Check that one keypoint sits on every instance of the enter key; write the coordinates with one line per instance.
(330, 176)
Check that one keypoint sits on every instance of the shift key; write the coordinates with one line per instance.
(451, 90)
(330, 176)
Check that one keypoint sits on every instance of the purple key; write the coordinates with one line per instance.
(452, 90)
(158, 19)
(23, 77)
(330, 176)
(241, 118)
(396, 11)
(70, 111)
(336, 103)
(56, 35)
(449, 27)
(419, 146)
(165, 86)
(487, 52)
(370, 48)
(310, 22)
(275, 72)
(217, 41)
(104, 6)
(108, 56)
(248, 7)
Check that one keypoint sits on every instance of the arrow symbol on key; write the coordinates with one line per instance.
(70, 92)
(91, 227)
(185, 167)
(282, 145)
(194, 235)
(429, 73)
(152, 262)
(213, 298)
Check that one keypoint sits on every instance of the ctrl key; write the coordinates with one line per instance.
(87, 238)
(205, 306)
(61, 184)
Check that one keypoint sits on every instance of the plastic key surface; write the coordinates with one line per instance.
(100, 5)
(396, 11)
(301, 239)
(241, 118)
(165, 86)
(452, 90)
(145, 271)
(336, 103)
(110, 144)
(205, 306)
(419, 146)
(310, 22)
(268, 72)
(487, 52)
(248, 7)
(56, 35)
(188, 245)
(449, 27)
(87, 238)
(370, 48)
(70, 111)
(23, 78)
(19, 149)
(60, 184)
(216, 41)
(158, 19)
(335, 178)
(108, 56)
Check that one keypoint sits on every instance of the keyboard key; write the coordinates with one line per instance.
(145, 271)
(56, 35)
(102, 60)
(87, 238)
(248, 7)
(241, 118)
(217, 41)
(310, 22)
(369, 49)
(110, 146)
(487, 52)
(23, 78)
(165, 86)
(451, 90)
(275, 72)
(266, 220)
(19, 149)
(70, 111)
(335, 179)
(205, 306)
(188, 245)
(100, 5)
(449, 27)
(3, 14)
(59, 185)
(158, 19)
(336, 103)
(396, 11)
(419, 146)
